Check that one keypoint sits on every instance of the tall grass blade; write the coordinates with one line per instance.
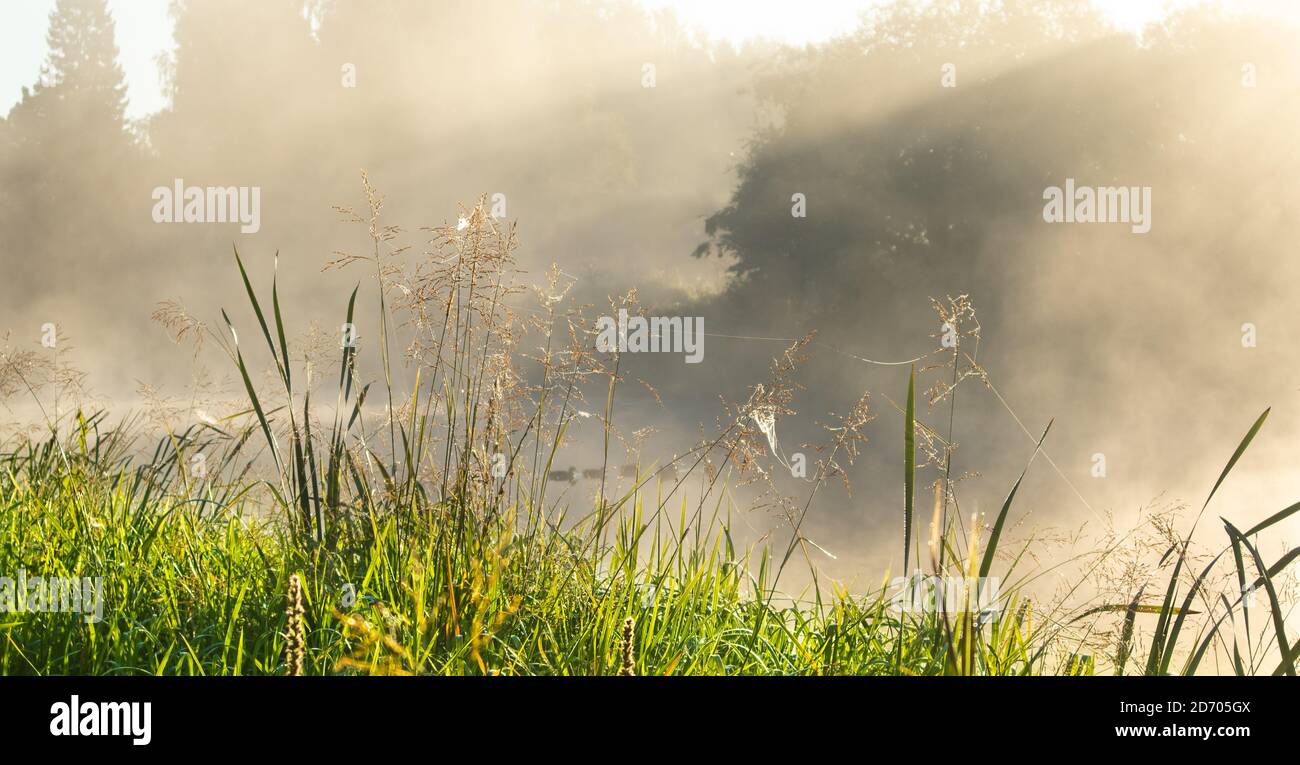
(1275, 606)
(909, 468)
(996, 533)
(1159, 641)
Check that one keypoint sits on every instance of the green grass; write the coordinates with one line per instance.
(417, 556)
(195, 592)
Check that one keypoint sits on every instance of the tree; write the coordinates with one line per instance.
(66, 156)
(81, 89)
(82, 68)
(73, 118)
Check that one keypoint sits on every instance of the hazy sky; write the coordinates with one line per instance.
(144, 31)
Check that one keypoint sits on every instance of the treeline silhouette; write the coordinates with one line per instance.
(1135, 343)
(607, 172)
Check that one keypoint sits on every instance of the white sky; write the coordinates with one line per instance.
(144, 31)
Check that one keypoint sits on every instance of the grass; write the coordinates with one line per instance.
(191, 592)
(287, 538)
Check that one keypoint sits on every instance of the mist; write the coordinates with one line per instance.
(630, 152)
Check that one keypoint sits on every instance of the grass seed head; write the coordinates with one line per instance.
(629, 654)
(295, 647)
